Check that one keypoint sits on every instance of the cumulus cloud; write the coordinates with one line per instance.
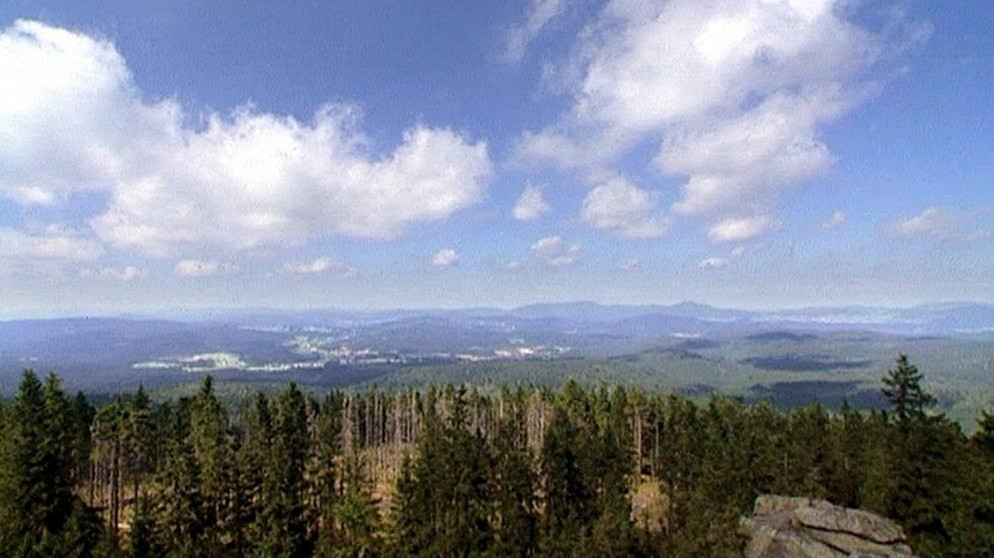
(834, 221)
(319, 266)
(446, 257)
(553, 252)
(518, 37)
(738, 229)
(734, 94)
(513, 265)
(625, 209)
(202, 268)
(531, 205)
(938, 223)
(75, 120)
(55, 243)
(127, 273)
(718, 262)
(713, 263)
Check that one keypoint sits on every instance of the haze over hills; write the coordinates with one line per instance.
(938, 319)
(793, 355)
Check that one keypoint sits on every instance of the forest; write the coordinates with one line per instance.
(454, 471)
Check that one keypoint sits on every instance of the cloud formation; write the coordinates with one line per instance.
(202, 268)
(940, 224)
(126, 273)
(714, 263)
(446, 257)
(732, 93)
(53, 244)
(531, 205)
(75, 120)
(320, 266)
(513, 265)
(518, 37)
(739, 229)
(555, 253)
(620, 207)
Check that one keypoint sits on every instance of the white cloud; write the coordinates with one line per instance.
(834, 221)
(74, 120)
(447, 257)
(54, 244)
(938, 223)
(518, 37)
(713, 263)
(625, 209)
(747, 160)
(741, 228)
(553, 252)
(322, 265)
(513, 265)
(201, 268)
(531, 205)
(127, 273)
(630, 265)
(718, 262)
(734, 93)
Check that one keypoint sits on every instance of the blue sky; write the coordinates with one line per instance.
(760, 153)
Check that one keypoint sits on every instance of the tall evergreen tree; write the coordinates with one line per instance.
(513, 484)
(902, 387)
(39, 514)
(210, 442)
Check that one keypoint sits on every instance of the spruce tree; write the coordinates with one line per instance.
(902, 387)
(513, 484)
(39, 514)
(209, 440)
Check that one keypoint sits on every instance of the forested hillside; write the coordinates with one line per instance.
(455, 472)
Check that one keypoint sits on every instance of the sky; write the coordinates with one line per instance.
(381, 154)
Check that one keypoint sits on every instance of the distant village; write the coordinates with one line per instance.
(318, 352)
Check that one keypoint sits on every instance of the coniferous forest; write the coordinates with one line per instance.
(582, 471)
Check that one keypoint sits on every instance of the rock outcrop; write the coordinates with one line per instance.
(782, 527)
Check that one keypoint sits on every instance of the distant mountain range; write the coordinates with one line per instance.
(932, 319)
(108, 353)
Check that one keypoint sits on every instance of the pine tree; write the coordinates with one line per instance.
(209, 440)
(327, 449)
(181, 517)
(355, 516)
(141, 535)
(568, 498)
(983, 438)
(251, 485)
(39, 514)
(108, 436)
(138, 439)
(82, 415)
(284, 529)
(513, 484)
(902, 387)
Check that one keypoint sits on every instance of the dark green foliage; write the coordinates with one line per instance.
(451, 501)
(141, 536)
(574, 472)
(984, 437)
(902, 387)
(39, 514)
(513, 483)
(353, 526)
(282, 513)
